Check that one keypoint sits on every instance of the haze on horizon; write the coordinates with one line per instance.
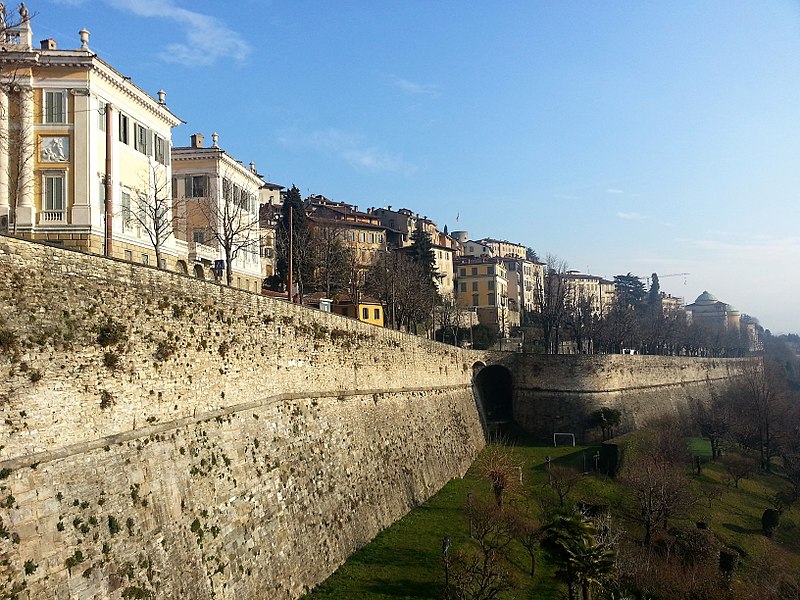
(647, 137)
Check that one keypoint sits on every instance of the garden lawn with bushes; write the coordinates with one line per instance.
(406, 560)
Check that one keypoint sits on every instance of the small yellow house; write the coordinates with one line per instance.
(366, 309)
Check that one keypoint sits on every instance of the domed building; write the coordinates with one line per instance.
(713, 313)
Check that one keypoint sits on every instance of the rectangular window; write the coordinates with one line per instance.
(196, 186)
(371, 238)
(362, 237)
(125, 205)
(474, 286)
(143, 139)
(380, 238)
(474, 299)
(124, 125)
(54, 197)
(462, 272)
(160, 149)
(491, 299)
(55, 107)
(463, 287)
(474, 271)
(145, 259)
(199, 236)
(490, 270)
(365, 313)
(491, 285)
(377, 313)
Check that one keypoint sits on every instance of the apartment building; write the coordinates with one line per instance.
(84, 152)
(216, 203)
(482, 286)
(361, 231)
(504, 248)
(597, 292)
(525, 281)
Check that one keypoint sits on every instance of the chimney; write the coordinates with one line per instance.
(215, 140)
(197, 140)
(162, 97)
(48, 44)
(84, 33)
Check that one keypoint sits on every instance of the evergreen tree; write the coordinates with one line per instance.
(630, 291)
(292, 205)
(421, 252)
(654, 295)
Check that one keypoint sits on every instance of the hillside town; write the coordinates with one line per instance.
(89, 163)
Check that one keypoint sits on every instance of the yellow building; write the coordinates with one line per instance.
(84, 152)
(360, 231)
(365, 309)
(482, 286)
(216, 201)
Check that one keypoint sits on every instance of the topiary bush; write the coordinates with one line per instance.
(770, 521)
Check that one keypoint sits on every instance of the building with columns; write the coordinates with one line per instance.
(82, 150)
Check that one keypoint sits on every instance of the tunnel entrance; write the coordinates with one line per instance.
(496, 393)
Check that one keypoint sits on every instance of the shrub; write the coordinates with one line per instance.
(8, 340)
(110, 333)
(106, 399)
(111, 360)
(164, 350)
(770, 521)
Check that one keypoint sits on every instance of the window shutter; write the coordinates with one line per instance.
(188, 187)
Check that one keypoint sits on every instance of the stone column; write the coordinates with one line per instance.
(3, 158)
(26, 211)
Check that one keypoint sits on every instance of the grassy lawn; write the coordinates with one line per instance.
(405, 560)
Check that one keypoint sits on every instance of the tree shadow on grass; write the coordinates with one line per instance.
(396, 557)
(404, 588)
(738, 529)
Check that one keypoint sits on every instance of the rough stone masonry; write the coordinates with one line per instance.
(165, 437)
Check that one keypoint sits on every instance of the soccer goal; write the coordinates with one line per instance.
(557, 436)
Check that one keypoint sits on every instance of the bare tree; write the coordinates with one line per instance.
(151, 210)
(550, 302)
(330, 257)
(232, 220)
(563, 480)
(18, 145)
(660, 489)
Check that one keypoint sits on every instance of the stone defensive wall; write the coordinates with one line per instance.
(165, 437)
(557, 393)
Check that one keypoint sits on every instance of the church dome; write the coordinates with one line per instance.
(706, 298)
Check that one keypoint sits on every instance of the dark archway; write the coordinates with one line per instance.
(496, 390)
(198, 272)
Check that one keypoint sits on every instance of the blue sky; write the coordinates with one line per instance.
(619, 136)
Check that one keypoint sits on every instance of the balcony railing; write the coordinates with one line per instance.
(51, 216)
(201, 252)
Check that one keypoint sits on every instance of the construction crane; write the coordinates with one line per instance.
(660, 277)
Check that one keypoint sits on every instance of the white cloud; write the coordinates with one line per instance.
(631, 216)
(353, 148)
(614, 191)
(207, 39)
(413, 88)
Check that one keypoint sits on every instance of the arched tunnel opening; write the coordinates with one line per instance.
(496, 395)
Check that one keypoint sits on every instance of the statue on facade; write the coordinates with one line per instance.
(24, 15)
